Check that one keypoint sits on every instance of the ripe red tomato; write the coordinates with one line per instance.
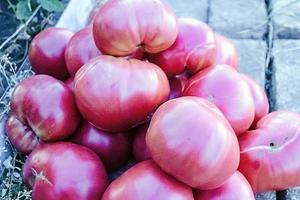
(42, 108)
(80, 50)
(123, 26)
(226, 88)
(235, 188)
(115, 94)
(193, 50)
(140, 150)
(190, 139)
(269, 154)
(113, 149)
(260, 99)
(147, 181)
(47, 50)
(64, 170)
(226, 52)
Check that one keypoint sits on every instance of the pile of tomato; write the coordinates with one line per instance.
(140, 84)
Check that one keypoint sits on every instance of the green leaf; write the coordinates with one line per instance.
(23, 10)
(51, 5)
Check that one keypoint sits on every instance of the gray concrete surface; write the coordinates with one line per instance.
(286, 18)
(190, 8)
(239, 18)
(249, 49)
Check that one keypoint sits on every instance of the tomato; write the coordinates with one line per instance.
(190, 139)
(140, 150)
(147, 181)
(226, 88)
(269, 154)
(113, 149)
(46, 52)
(260, 99)
(193, 50)
(116, 94)
(226, 52)
(235, 188)
(80, 50)
(65, 171)
(42, 109)
(123, 26)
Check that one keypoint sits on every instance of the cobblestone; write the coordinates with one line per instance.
(239, 18)
(287, 73)
(248, 50)
(190, 8)
(286, 19)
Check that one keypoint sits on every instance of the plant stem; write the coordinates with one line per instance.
(21, 27)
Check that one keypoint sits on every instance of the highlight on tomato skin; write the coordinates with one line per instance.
(52, 170)
(47, 50)
(185, 134)
(234, 188)
(269, 152)
(147, 181)
(150, 25)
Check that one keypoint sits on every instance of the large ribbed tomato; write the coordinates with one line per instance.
(64, 170)
(270, 153)
(122, 26)
(226, 88)
(190, 139)
(115, 94)
(42, 109)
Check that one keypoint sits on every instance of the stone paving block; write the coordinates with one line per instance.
(287, 72)
(293, 194)
(286, 18)
(266, 196)
(239, 18)
(190, 8)
(252, 55)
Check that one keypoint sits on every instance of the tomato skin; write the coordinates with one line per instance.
(226, 52)
(269, 154)
(147, 24)
(140, 149)
(64, 170)
(225, 87)
(235, 188)
(46, 52)
(70, 84)
(177, 84)
(193, 50)
(185, 134)
(259, 97)
(80, 50)
(114, 150)
(146, 181)
(116, 94)
(42, 108)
